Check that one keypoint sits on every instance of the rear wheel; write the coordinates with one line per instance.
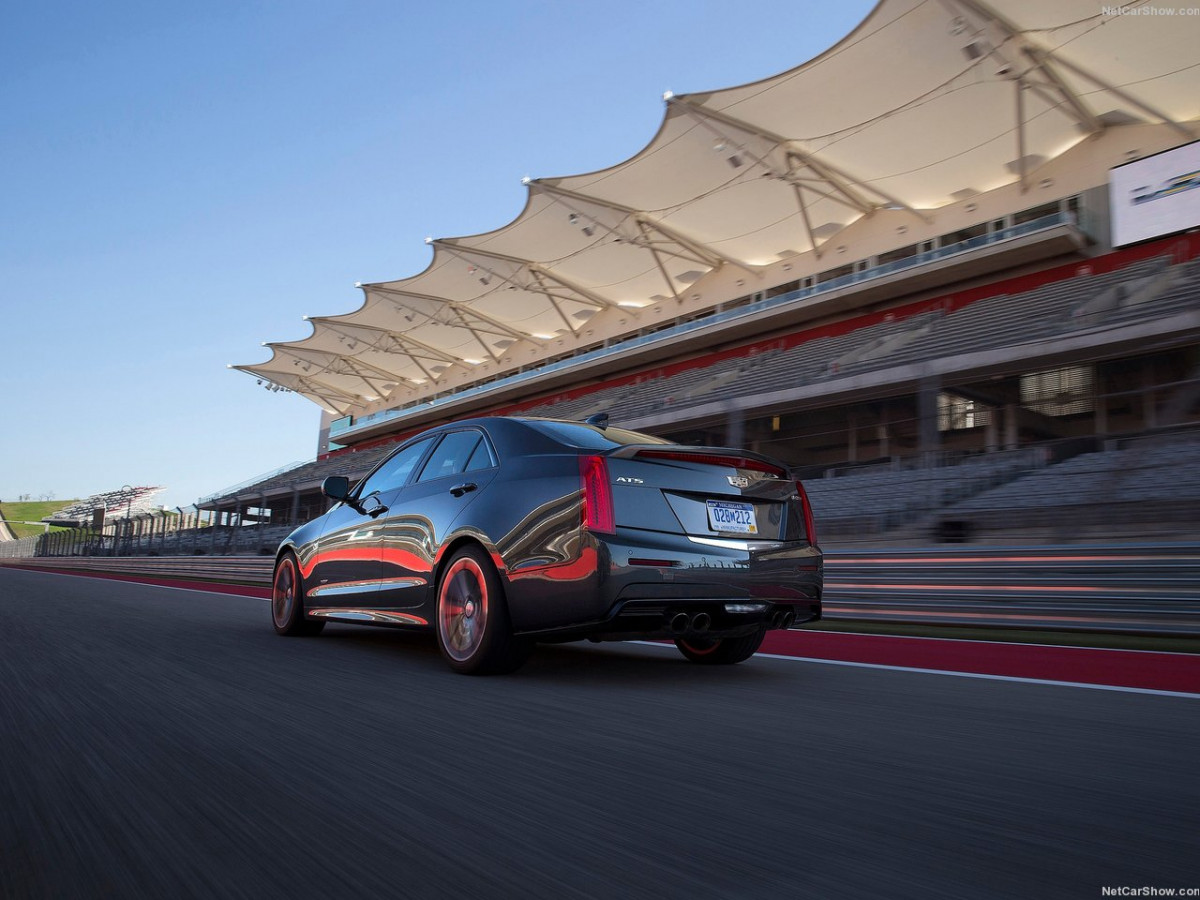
(473, 629)
(721, 651)
(287, 600)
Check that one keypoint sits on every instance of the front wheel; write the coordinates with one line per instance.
(473, 629)
(721, 651)
(287, 600)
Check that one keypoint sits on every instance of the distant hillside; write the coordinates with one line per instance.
(30, 512)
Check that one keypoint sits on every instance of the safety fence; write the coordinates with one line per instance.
(148, 536)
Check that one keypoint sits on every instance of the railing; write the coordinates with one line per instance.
(20, 548)
(251, 481)
(149, 536)
(1136, 588)
(1015, 231)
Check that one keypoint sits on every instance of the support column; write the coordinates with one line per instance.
(1012, 433)
(237, 527)
(1149, 406)
(735, 428)
(930, 440)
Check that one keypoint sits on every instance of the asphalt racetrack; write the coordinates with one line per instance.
(157, 742)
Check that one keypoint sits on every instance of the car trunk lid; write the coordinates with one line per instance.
(705, 492)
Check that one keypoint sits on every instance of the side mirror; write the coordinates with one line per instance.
(336, 487)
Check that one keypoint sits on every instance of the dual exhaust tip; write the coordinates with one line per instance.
(682, 623)
(782, 618)
(699, 623)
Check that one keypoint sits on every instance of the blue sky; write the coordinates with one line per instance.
(181, 182)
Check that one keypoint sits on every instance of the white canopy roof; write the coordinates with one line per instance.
(925, 103)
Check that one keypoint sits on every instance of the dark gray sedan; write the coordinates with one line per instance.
(497, 533)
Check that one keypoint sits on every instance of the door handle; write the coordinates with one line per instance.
(465, 488)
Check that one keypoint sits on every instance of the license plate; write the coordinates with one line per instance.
(737, 518)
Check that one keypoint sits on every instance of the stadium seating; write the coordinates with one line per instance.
(875, 499)
(1151, 288)
(1136, 486)
(1147, 470)
(134, 501)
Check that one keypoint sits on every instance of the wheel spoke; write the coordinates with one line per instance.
(462, 609)
(284, 594)
(460, 636)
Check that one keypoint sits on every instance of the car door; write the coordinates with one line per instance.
(456, 470)
(347, 566)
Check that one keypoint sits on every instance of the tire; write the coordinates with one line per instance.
(721, 651)
(474, 633)
(287, 600)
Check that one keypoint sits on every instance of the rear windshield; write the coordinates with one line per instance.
(590, 437)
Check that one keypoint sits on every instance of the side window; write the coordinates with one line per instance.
(451, 455)
(395, 470)
(484, 457)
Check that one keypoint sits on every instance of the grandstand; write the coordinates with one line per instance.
(949, 270)
(126, 501)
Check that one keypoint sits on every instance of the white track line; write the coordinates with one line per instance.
(1078, 684)
(1018, 679)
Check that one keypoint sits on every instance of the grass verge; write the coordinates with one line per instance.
(32, 511)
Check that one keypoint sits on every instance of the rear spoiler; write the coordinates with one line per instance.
(741, 459)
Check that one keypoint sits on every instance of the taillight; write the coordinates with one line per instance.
(810, 524)
(597, 495)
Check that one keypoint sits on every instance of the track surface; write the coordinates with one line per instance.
(166, 743)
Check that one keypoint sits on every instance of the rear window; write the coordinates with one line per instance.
(591, 437)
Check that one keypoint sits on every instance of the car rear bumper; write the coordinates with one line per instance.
(646, 584)
(651, 620)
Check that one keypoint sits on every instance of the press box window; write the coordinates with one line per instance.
(1060, 392)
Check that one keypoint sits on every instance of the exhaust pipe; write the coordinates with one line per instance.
(679, 623)
(701, 622)
(782, 618)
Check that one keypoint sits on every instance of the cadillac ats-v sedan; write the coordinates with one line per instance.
(498, 533)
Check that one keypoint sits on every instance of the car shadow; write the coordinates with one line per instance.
(584, 663)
